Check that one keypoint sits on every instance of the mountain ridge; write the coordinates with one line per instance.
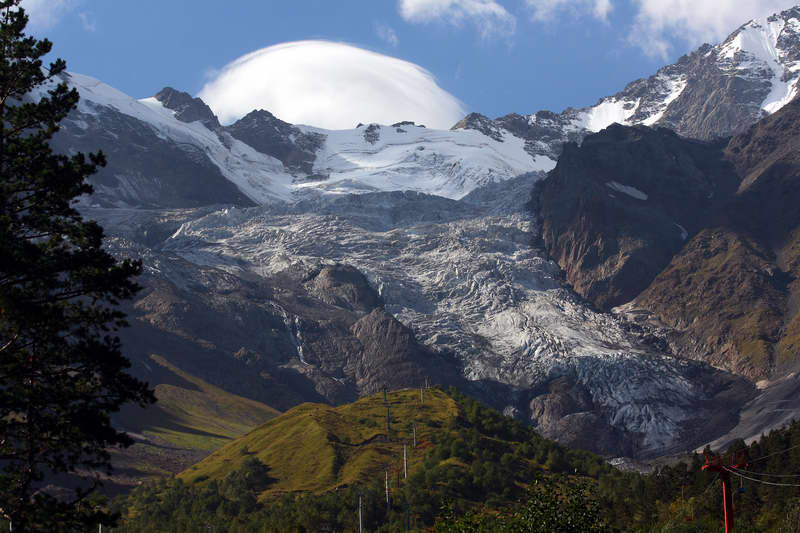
(322, 265)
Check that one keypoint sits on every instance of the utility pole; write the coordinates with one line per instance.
(714, 464)
(388, 420)
(387, 489)
(422, 396)
(360, 522)
(405, 460)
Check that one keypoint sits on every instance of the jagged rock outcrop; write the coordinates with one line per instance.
(187, 108)
(391, 355)
(565, 412)
(272, 136)
(616, 209)
(343, 286)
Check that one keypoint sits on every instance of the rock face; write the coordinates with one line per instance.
(566, 413)
(272, 136)
(144, 168)
(187, 108)
(615, 210)
(703, 235)
(733, 289)
(303, 335)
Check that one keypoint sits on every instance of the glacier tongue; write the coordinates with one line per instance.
(464, 276)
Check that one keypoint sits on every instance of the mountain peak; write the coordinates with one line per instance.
(187, 108)
(481, 123)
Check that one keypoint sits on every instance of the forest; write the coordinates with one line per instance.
(488, 472)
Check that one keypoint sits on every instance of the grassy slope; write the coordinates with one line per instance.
(191, 419)
(316, 448)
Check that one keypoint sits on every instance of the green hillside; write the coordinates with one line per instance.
(317, 448)
(190, 419)
(305, 469)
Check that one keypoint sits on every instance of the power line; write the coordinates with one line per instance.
(773, 454)
(755, 480)
(765, 473)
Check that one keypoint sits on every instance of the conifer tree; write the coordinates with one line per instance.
(61, 369)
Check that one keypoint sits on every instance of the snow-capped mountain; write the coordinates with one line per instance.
(436, 224)
(268, 160)
(713, 92)
(333, 263)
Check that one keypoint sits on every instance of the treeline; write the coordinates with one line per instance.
(487, 472)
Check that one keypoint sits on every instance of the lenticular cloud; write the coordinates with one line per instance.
(330, 85)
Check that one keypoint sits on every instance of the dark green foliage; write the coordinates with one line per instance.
(551, 506)
(61, 370)
(230, 506)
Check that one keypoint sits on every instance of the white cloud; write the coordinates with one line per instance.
(387, 34)
(693, 21)
(657, 23)
(87, 21)
(489, 17)
(547, 9)
(44, 14)
(330, 85)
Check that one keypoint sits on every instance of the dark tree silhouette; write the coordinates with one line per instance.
(61, 369)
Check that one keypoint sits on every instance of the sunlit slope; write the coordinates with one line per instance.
(191, 413)
(315, 447)
(190, 420)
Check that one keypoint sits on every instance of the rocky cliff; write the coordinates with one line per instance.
(703, 235)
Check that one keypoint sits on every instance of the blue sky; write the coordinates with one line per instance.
(494, 56)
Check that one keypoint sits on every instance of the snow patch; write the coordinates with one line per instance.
(606, 113)
(627, 189)
(675, 87)
(755, 51)
(684, 233)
